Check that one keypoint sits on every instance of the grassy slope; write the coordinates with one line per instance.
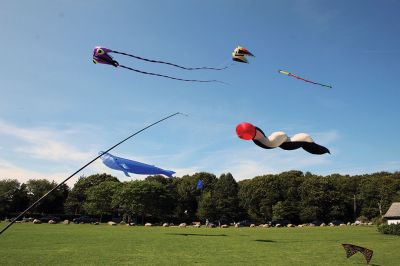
(59, 244)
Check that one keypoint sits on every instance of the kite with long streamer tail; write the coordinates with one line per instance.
(101, 55)
(83, 167)
(353, 249)
(303, 79)
(279, 139)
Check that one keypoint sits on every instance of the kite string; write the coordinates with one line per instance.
(83, 167)
(171, 64)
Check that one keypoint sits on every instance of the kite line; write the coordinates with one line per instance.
(83, 167)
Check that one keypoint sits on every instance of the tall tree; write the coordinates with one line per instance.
(77, 195)
(188, 195)
(144, 198)
(258, 195)
(207, 209)
(225, 195)
(99, 198)
(13, 197)
(54, 202)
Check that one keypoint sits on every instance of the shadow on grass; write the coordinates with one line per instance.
(265, 240)
(183, 234)
(364, 263)
(311, 240)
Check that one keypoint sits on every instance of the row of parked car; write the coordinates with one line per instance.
(286, 222)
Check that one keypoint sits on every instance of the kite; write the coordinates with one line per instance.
(200, 184)
(130, 166)
(83, 167)
(309, 81)
(101, 55)
(240, 53)
(353, 249)
(279, 139)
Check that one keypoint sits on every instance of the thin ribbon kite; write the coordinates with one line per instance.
(303, 79)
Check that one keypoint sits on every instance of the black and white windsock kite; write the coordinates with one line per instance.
(279, 139)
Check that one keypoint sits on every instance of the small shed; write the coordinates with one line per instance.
(393, 214)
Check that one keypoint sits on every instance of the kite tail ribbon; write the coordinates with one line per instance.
(169, 77)
(309, 81)
(171, 64)
(303, 79)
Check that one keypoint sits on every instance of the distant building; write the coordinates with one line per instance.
(393, 214)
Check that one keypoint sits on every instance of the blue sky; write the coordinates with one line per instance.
(58, 109)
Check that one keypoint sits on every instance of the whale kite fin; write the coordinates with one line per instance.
(124, 166)
(169, 173)
(124, 169)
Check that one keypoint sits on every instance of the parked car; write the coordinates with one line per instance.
(316, 223)
(46, 219)
(246, 223)
(337, 222)
(85, 220)
(280, 222)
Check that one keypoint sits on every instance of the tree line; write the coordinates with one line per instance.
(293, 196)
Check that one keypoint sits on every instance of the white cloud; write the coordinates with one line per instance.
(43, 143)
(9, 170)
(40, 144)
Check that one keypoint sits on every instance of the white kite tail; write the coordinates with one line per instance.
(273, 141)
(302, 137)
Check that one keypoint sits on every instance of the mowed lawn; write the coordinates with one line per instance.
(46, 244)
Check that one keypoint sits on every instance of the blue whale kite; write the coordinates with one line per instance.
(128, 166)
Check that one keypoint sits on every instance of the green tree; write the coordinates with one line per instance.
(188, 196)
(144, 198)
(258, 195)
(207, 209)
(225, 196)
(13, 197)
(99, 198)
(53, 203)
(77, 195)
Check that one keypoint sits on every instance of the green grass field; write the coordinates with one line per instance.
(45, 244)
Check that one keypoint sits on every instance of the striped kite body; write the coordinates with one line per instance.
(279, 139)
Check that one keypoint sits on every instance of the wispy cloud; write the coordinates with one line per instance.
(254, 161)
(11, 171)
(43, 143)
(26, 153)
